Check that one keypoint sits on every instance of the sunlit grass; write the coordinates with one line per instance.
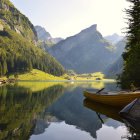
(36, 75)
(40, 75)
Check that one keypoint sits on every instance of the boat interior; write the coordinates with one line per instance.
(102, 92)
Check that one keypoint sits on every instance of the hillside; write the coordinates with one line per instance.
(86, 52)
(16, 21)
(17, 51)
(117, 66)
(35, 75)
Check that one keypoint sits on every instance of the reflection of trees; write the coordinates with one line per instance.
(19, 107)
(70, 109)
(132, 134)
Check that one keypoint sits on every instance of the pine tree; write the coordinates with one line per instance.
(4, 67)
(131, 72)
(0, 70)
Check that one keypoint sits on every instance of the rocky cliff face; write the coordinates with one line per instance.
(85, 52)
(11, 17)
(42, 33)
(45, 36)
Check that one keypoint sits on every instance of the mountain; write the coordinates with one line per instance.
(85, 52)
(18, 44)
(114, 38)
(16, 21)
(45, 36)
(117, 66)
(121, 45)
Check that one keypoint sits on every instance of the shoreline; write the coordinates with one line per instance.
(6, 81)
(18, 80)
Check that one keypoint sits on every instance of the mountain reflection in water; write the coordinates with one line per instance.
(55, 110)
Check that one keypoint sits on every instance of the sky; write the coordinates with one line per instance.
(64, 18)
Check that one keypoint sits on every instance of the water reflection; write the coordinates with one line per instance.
(19, 107)
(42, 110)
(109, 111)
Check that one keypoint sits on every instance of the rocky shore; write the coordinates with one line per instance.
(6, 82)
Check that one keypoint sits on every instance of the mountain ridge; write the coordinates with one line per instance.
(82, 51)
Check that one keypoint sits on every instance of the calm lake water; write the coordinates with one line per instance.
(58, 111)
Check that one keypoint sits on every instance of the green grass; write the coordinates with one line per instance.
(35, 75)
(99, 76)
(40, 75)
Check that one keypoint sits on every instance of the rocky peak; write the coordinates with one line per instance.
(91, 29)
(82, 51)
(45, 36)
(42, 33)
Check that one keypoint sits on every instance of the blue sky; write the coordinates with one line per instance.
(63, 18)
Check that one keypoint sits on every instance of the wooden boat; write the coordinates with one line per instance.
(119, 99)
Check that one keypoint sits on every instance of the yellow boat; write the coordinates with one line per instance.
(119, 99)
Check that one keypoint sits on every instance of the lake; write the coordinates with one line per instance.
(58, 111)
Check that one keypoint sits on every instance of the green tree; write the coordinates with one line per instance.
(5, 70)
(16, 75)
(0, 69)
(131, 72)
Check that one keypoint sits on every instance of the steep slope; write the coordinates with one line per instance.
(42, 33)
(16, 21)
(17, 51)
(121, 46)
(85, 52)
(114, 38)
(45, 36)
(117, 66)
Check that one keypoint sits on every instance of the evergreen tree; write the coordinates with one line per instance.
(4, 67)
(0, 69)
(131, 72)
(17, 54)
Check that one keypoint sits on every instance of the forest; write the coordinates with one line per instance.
(17, 54)
(130, 78)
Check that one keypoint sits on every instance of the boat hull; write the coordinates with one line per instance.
(119, 100)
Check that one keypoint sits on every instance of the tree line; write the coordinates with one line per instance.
(131, 72)
(17, 54)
